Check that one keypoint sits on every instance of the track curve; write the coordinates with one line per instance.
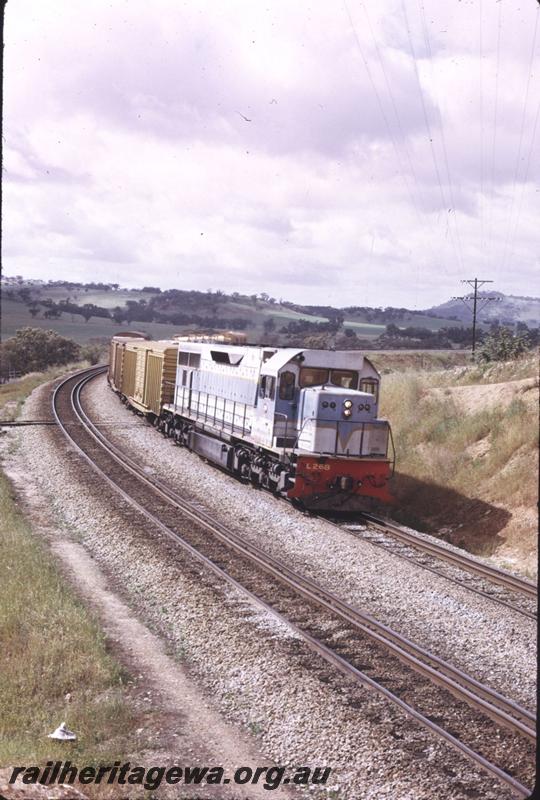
(303, 595)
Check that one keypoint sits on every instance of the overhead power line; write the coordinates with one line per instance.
(391, 134)
(494, 139)
(457, 248)
(437, 107)
(521, 134)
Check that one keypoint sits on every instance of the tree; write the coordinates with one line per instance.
(91, 353)
(269, 325)
(119, 315)
(89, 310)
(32, 349)
(502, 345)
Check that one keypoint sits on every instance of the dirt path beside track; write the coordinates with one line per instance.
(177, 719)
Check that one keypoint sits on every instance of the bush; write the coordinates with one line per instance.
(33, 349)
(502, 345)
(91, 353)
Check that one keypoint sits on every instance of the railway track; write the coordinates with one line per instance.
(494, 732)
(496, 584)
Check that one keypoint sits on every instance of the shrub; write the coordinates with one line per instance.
(33, 349)
(91, 353)
(503, 345)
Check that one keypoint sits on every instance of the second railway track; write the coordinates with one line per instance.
(497, 585)
(491, 730)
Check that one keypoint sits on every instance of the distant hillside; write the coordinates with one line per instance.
(95, 311)
(507, 310)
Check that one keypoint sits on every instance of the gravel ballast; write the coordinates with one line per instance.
(495, 646)
(255, 669)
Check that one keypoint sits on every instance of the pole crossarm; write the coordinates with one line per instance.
(475, 283)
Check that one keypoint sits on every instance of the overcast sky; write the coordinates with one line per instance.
(368, 153)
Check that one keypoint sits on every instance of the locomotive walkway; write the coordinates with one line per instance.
(491, 730)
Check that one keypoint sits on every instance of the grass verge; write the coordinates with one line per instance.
(14, 393)
(54, 664)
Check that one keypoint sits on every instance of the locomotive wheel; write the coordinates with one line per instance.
(243, 472)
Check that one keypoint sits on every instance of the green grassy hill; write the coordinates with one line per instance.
(213, 310)
(402, 321)
(16, 315)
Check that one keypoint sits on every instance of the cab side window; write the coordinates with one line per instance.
(371, 386)
(267, 386)
(313, 376)
(286, 386)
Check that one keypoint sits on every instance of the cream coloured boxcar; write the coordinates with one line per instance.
(117, 349)
(143, 372)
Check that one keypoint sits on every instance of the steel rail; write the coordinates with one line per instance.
(8, 423)
(352, 529)
(313, 591)
(464, 561)
(450, 677)
(329, 655)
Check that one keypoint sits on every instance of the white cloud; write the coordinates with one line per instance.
(129, 153)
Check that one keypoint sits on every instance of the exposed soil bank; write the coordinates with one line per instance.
(467, 466)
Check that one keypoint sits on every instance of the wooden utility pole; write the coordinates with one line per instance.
(475, 283)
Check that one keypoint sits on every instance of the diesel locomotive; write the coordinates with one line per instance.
(301, 423)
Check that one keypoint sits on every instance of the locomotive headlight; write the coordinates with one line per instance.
(347, 404)
(347, 412)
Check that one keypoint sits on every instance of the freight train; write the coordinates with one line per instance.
(301, 423)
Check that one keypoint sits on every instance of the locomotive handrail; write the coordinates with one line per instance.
(208, 413)
(203, 411)
(281, 414)
(393, 450)
(299, 434)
